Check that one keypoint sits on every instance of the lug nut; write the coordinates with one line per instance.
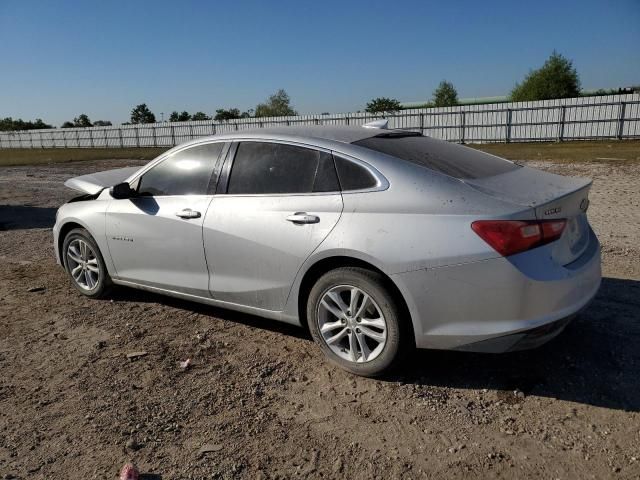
(357, 330)
(358, 319)
(348, 330)
(343, 321)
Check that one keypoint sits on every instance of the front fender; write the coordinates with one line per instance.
(89, 215)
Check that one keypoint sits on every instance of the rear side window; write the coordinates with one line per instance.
(353, 176)
(187, 172)
(274, 168)
(444, 157)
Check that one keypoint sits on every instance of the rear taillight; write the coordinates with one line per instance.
(514, 236)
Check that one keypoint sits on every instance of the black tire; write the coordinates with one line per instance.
(398, 337)
(103, 284)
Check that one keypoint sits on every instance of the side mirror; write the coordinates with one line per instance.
(121, 191)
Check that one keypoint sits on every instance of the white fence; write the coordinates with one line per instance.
(583, 118)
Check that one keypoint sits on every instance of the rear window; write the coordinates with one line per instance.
(353, 176)
(444, 157)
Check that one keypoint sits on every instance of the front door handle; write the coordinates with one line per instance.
(300, 218)
(188, 213)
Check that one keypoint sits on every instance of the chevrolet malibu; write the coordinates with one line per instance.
(377, 240)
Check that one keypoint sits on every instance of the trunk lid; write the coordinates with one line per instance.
(95, 182)
(551, 197)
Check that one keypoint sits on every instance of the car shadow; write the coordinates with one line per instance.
(595, 360)
(142, 296)
(19, 217)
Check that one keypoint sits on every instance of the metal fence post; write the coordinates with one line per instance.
(173, 136)
(90, 138)
(563, 110)
(190, 131)
(462, 123)
(422, 123)
(120, 137)
(106, 139)
(64, 139)
(621, 112)
(507, 127)
(153, 134)
(137, 136)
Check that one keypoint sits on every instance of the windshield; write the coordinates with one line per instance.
(444, 157)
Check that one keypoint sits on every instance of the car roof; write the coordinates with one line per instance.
(337, 133)
(332, 133)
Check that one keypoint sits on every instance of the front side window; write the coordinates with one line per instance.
(274, 168)
(187, 172)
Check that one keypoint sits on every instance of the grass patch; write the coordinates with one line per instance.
(577, 151)
(38, 156)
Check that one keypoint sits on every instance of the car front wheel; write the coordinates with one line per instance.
(356, 321)
(84, 264)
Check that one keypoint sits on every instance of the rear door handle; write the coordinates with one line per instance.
(300, 218)
(188, 213)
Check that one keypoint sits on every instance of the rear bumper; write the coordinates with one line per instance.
(524, 340)
(500, 304)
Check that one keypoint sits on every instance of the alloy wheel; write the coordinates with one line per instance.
(351, 323)
(83, 264)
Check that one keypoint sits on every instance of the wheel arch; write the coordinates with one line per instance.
(324, 265)
(64, 231)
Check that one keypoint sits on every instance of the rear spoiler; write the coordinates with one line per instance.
(528, 187)
(94, 183)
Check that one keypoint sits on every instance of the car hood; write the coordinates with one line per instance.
(95, 182)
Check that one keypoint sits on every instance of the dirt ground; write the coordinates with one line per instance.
(262, 401)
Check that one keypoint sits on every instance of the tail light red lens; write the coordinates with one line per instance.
(508, 237)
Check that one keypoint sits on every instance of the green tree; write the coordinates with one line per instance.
(557, 78)
(82, 121)
(277, 105)
(383, 105)
(179, 117)
(9, 124)
(200, 116)
(67, 125)
(230, 114)
(102, 123)
(142, 114)
(445, 95)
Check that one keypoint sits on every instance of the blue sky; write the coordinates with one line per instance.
(60, 59)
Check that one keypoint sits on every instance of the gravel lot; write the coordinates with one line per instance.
(262, 401)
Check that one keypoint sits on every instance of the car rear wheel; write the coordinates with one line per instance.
(356, 320)
(84, 264)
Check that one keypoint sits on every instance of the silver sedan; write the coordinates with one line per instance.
(377, 240)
